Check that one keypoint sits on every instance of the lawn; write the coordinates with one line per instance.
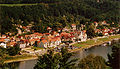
(86, 43)
(11, 5)
(113, 37)
(18, 57)
(104, 39)
(37, 48)
(98, 41)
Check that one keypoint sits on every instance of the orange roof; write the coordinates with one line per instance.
(24, 27)
(31, 40)
(47, 33)
(36, 33)
(37, 39)
(27, 35)
(84, 31)
(65, 34)
(44, 41)
(12, 43)
(2, 39)
(48, 28)
(40, 34)
(73, 24)
(95, 22)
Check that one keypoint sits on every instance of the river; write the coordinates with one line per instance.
(100, 50)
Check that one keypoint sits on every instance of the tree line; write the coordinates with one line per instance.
(58, 14)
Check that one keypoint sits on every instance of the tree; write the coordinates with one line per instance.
(114, 58)
(3, 55)
(54, 60)
(12, 51)
(64, 61)
(92, 62)
(90, 31)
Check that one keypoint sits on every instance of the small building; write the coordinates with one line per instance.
(42, 44)
(73, 26)
(3, 44)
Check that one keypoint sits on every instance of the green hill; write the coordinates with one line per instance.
(56, 13)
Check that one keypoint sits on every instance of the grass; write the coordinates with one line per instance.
(104, 39)
(98, 41)
(86, 43)
(18, 58)
(11, 5)
(116, 36)
(37, 48)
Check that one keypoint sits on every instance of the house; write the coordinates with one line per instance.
(105, 32)
(59, 30)
(49, 29)
(12, 43)
(32, 41)
(3, 44)
(42, 44)
(98, 31)
(104, 23)
(82, 36)
(72, 38)
(55, 33)
(73, 26)
(3, 36)
(96, 24)
(65, 36)
(22, 45)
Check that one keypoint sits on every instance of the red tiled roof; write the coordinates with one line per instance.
(42, 38)
(95, 22)
(84, 31)
(47, 33)
(24, 27)
(48, 28)
(2, 39)
(73, 24)
(44, 41)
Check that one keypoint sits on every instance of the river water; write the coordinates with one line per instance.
(100, 50)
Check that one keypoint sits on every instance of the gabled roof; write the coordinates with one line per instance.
(2, 39)
(44, 41)
(48, 28)
(73, 24)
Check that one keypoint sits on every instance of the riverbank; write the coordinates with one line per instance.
(83, 45)
(19, 58)
(94, 42)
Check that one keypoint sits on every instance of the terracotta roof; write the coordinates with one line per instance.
(36, 33)
(73, 24)
(31, 40)
(47, 33)
(12, 43)
(40, 34)
(95, 22)
(44, 41)
(2, 39)
(84, 31)
(42, 38)
(72, 36)
(24, 27)
(48, 28)
(27, 35)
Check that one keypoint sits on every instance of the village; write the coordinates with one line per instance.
(53, 39)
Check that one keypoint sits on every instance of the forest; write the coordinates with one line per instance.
(56, 13)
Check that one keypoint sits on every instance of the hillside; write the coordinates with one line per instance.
(55, 13)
